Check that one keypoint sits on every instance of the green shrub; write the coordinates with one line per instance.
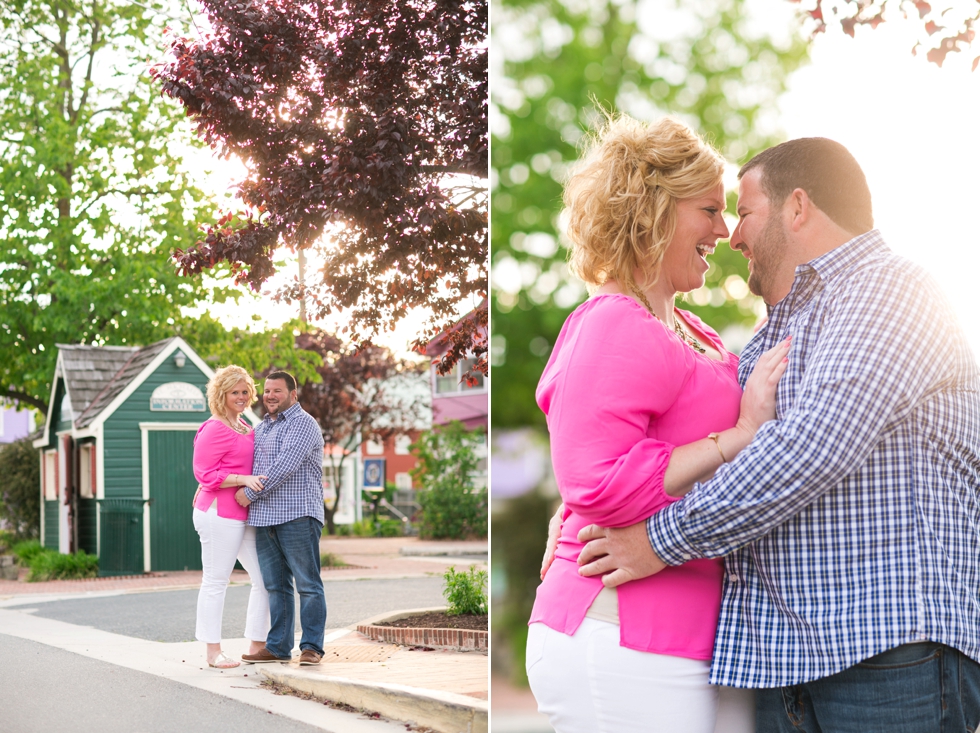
(368, 528)
(6, 540)
(51, 565)
(20, 490)
(465, 592)
(452, 507)
(330, 560)
(389, 528)
(363, 528)
(26, 551)
(343, 530)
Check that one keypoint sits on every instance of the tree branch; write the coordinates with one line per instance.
(16, 394)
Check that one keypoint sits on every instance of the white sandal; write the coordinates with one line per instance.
(223, 662)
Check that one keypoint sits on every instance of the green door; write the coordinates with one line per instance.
(174, 544)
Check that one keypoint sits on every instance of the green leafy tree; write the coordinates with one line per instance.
(20, 490)
(453, 507)
(258, 352)
(94, 193)
(559, 60)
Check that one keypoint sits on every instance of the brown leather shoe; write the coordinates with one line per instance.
(262, 656)
(309, 657)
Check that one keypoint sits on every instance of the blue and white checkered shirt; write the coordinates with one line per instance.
(853, 520)
(289, 450)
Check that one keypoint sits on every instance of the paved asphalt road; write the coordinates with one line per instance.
(72, 693)
(168, 616)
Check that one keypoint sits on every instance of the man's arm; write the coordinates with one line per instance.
(303, 437)
(875, 358)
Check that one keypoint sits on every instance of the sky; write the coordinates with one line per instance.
(218, 177)
(914, 128)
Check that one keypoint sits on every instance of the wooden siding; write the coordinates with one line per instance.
(49, 534)
(174, 544)
(87, 509)
(121, 432)
(51, 437)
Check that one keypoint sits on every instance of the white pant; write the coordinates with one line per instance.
(588, 683)
(222, 542)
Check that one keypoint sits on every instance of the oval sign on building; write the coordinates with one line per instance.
(177, 397)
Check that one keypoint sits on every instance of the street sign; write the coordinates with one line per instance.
(374, 473)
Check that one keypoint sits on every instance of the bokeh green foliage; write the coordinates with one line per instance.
(559, 60)
(453, 507)
(20, 490)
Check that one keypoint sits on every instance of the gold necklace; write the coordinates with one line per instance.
(682, 334)
(239, 428)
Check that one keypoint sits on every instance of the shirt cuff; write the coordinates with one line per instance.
(666, 538)
(252, 495)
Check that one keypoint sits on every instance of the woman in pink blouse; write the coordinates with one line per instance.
(642, 401)
(223, 450)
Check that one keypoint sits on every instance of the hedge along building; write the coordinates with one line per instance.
(117, 455)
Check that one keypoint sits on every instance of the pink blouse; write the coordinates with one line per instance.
(619, 392)
(219, 452)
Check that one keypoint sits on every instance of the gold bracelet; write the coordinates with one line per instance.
(715, 437)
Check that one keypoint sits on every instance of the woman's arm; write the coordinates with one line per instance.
(698, 461)
(614, 371)
(240, 479)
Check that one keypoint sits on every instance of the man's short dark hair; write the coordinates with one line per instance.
(288, 378)
(827, 172)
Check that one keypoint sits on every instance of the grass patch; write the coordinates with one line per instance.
(330, 560)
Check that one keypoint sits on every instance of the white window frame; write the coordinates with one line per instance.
(374, 448)
(403, 481)
(51, 475)
(86, 471)
(457, 379)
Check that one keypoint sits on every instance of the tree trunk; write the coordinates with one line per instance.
(328, 518)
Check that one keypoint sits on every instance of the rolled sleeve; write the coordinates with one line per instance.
(618, 373)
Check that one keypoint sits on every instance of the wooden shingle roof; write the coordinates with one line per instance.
(88, 369)
(95, 375)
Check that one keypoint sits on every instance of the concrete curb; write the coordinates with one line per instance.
(447, 550)
(444, 712)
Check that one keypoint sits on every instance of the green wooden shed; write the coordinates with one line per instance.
(117, 452)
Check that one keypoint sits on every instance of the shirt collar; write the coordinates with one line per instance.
(817, 273)
(840, 260)
(293, 409)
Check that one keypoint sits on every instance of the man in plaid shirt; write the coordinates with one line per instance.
(852, 522)
(288, 516)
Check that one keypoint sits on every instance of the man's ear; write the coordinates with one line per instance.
(799, 209)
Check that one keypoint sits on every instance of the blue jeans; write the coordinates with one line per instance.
(913, 688)
(287, 551)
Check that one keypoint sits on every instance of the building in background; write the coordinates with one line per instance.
(117, 453)
(455, 397)
(15, 423)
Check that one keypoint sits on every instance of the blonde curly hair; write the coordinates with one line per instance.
(223, 381)
(621, 198)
